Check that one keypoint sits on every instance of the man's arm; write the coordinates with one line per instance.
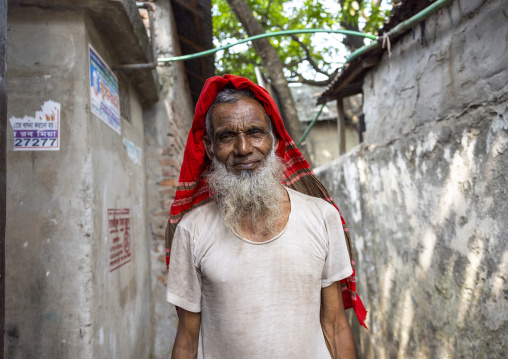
(336, 329)
(187, 336)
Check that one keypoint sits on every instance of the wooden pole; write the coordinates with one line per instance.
(341, 125)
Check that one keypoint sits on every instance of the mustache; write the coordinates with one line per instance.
(237, 160)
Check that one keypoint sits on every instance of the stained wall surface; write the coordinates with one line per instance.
(426, 196)
(121, 313)
(167, 125)
(63, 298)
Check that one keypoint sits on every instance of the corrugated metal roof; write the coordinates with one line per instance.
(305, 97)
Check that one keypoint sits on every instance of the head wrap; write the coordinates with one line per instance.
(192, 190)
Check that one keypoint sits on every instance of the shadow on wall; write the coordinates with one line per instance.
(429, 219)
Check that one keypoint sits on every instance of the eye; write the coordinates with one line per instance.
(256, 132)
(225, 137)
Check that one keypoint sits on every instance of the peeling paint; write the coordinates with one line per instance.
(431, 184)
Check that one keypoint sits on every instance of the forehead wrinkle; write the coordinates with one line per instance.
(240, 126)
(232, 116)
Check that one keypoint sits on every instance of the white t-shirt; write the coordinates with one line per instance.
(258, 300)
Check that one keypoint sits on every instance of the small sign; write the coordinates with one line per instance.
(134, 152)
(104, 94)
(39, 133)
(120, 250)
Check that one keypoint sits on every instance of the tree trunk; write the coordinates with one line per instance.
(273, 67)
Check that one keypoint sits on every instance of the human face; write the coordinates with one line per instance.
(241, 135)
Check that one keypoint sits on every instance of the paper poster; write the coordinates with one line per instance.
(104, 95)
(120, 250)
(133, 151)
(39, 133)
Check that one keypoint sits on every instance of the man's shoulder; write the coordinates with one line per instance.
(309, 202)
(199, 216)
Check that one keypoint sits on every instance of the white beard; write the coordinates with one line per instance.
(248, 196)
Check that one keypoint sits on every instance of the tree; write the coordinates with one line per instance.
(272, 64)
(290, 58)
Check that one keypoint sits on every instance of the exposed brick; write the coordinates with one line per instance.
(163, 213)
(172, 182)
(167, 192)
(159, 237)
(179, 142)
(143, 13)
(158, 225)
(169, 161)
(162, 258)
(163, 279)
(170, 172)
(166, 204)
(167, 151)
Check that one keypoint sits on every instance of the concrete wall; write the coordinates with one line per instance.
(425, 197)
(323, 141)
(121, 313)
(62, 300)
(166, 128)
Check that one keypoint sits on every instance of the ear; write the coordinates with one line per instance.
(208, 147)
(275, 143)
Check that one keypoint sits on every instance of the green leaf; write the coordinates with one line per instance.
(276, 15)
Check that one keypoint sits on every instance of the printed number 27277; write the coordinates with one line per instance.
(34, 142)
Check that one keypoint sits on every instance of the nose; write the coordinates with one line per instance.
(243, 147)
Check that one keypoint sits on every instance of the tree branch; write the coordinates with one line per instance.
(249, 61)
(310, 82)
(264, 19)
(309, 56)
(300, 79)
(294, 63)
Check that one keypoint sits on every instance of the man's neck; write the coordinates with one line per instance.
(258, 231)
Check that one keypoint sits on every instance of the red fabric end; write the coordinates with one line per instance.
(360, 311)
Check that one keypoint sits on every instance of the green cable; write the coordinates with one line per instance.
(422, 15)
(268, 34)
(311, 124)
(401, 27)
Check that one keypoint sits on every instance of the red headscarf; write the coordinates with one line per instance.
(193, 190)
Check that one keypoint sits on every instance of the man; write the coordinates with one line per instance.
(255, 265)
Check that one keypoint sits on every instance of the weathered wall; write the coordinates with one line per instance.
(121, 314)
(48, 246)
(461, 63)
(425, 197)
(62, 299)
(166, 127)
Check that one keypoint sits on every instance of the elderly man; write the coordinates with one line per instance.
(256, 254)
